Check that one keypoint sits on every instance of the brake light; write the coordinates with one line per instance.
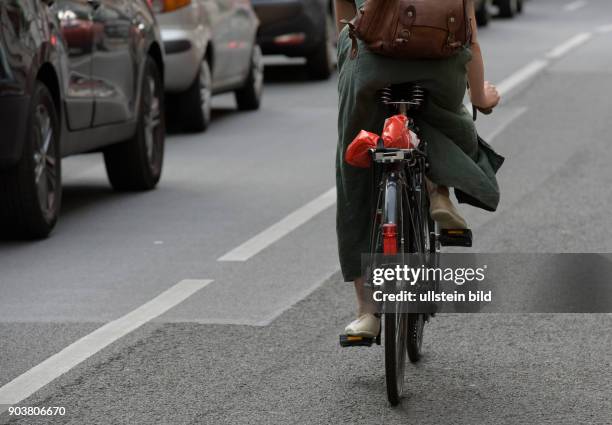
(290, 39)
(390, 239)
(163, 6)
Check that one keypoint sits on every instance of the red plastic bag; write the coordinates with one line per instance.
(396, 134)
(358, 154)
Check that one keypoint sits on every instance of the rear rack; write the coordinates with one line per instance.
(390, 156)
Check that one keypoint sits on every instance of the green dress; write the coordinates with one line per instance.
(458, 157)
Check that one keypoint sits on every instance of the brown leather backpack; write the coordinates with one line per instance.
(412, 29)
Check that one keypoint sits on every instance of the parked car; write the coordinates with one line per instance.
(76, 76)
(211, 47)
(299, 28)
(483, 12)
(509, 8)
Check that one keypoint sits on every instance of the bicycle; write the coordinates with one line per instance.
(402, 225)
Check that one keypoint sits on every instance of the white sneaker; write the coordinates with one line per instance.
(367, 325)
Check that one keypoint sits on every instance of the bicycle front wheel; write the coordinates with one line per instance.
(420, 233)
(416, 325)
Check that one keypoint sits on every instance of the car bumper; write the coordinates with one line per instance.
(289, 27)
(182, 62)
(184, 44)
(13, 117)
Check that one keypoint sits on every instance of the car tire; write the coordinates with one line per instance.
(507, 8)
(136, 164)
(195, 104)
(320, 65)
(30, 191)
(483, 15)
(248, 98)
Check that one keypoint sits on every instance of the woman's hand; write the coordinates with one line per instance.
(488, 99)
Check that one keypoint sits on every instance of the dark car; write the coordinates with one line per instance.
(483, 12)
(299, 28)
(509, 8)
(76, 76)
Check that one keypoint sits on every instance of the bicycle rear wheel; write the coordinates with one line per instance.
(388, 241)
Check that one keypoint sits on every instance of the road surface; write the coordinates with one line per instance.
(256, 341)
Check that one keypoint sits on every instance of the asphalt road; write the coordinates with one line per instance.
(258, 344)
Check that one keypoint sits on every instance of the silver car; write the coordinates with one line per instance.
(211, 48)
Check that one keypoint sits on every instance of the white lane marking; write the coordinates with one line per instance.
(506, 123)
(34, 379)
(280, 229)
(521, 76)
(575, 5)
(569, 45)
(604, 29)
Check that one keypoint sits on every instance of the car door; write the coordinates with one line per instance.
(77, 28)
(114, 69)
(242, 36)
(220, 23)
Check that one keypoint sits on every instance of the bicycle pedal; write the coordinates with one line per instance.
(455, 237)
(358, 341)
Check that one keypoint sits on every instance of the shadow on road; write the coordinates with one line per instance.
(79, 197)
(282, 74)
(175, 127)
(75, 199)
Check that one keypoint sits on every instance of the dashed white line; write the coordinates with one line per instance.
(521, 76)
(604, 29)
(575, 5)
(569, 45)
(506, 123)
(34, 379)
(280, 229)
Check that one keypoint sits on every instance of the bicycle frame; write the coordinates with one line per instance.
(399, 178)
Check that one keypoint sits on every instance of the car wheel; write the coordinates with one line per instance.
(136, 164)
(195, 105)
(248, 98)
(321, 63)
(31, 192)
(507, 8)
(483, 14)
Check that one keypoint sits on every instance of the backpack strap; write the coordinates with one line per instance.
(352, 36)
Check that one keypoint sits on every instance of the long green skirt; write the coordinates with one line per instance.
(458, 157)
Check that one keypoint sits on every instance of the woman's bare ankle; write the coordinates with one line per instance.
(365, 302)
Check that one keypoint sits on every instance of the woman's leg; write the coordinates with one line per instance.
(365, 302)
(367, 323)
(442, 209)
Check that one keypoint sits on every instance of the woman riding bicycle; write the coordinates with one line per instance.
(458, 157)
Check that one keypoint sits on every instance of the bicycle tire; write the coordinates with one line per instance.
(420, 241)
(416, 325)
(396, 334)
(395, 324)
